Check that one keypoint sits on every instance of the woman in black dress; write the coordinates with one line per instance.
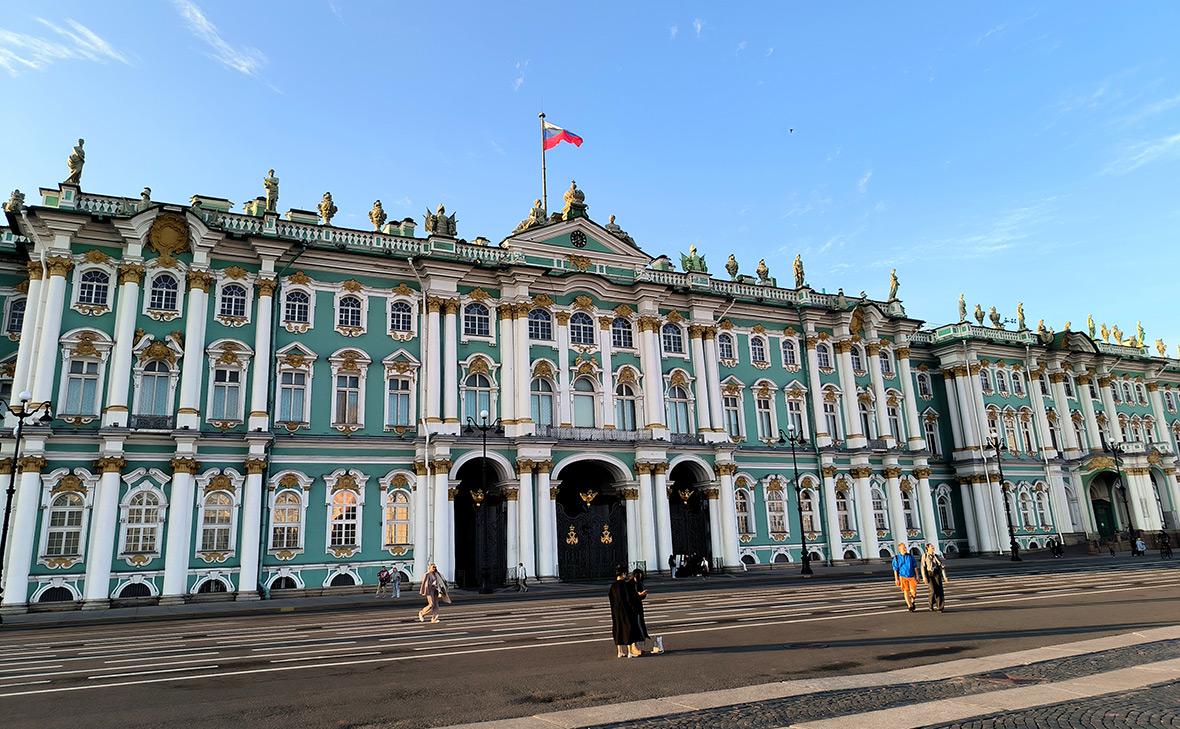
(626, 623)
(637, 577)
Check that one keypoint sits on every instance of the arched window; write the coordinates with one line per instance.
(297, 307)
(1128, 396)
(216, 520)
(397, 519)
(930, 426)
(1002, 382)
(807, 504)
(880, 520)
(1027, 518)
(401, 317)
(478, 396)
(731, 406)
(94, 287)
(1026, 434)
(776, 511)
(844, 512)
(868, 423)
(142, 517)
(212, 585)
(542, 401)
(233, 300)
(823, 356)
(725, 346)
(946, 515)
(1042, 499)
(1169, 396)
(790, 353)
(886, 362)
(925, 390)
(1018, 384)
(621, 335)
(758, 350)
(625, 407)
(832, 415)
(907, 510)
(581, 329)
(993, 422)
(1069, 387)
(584, 403)
(985, 381)
(894, 416)
(154, 384)
(163, 295)
(540, 325)
(287, 521)
(742, 507)
(858, 358)
(64, 538)
(348, 313)
(135, 589)
(1010, 438)
(676, 407)
(344, 518)
(1141, 392)
(16, 316)
(673, 339)
(477, 321)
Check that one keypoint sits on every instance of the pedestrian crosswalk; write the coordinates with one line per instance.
(112, 656)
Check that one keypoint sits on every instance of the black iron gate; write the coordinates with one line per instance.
(481, 539)
(592, 540)
(688, 510)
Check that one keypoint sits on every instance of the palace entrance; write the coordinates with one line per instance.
(688, 510)
(1108, 501)
(591, 522)
(481, 526)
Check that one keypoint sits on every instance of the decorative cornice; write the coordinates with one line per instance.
(860, 471)
(59, 266)
(31, 464)
(184, 464)
(110, 464)
(35, 270)
(199, 280)
(922, 472)
(255, 465)
(266, 286)
(131, 273)
(892, 472)
(726, 469)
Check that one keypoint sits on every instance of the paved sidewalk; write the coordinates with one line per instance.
(1056, 683)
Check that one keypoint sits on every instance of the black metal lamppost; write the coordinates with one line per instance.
(796, 440)
(996, 444)
(22, 412)
(478, 495)
(1117, 450)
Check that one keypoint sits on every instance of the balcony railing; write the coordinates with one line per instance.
(151, 422)
(594, 434)
(685, 438)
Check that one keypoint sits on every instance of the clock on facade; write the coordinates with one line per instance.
(578, 238)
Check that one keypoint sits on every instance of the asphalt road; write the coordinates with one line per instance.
(379, 668)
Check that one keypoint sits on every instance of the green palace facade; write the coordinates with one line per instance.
(246, 403)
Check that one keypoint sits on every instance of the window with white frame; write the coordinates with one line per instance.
(397, 519)
(930, 429)
(477, 320)
(1079, 426)
(477, 396)
(1128, 395)
(163, 295)
(763, 418)
(233, 301)
(886, 363)
(155, 389)
(94, 287)
(625, 407)
(581, 329)
(725, 346)
(398, 412)
(1042, 505)
(993, 422)
(776, 510)
(621, 334)
(868, 423)
(823, 356)
(907, 509)
(226, 400)
(347, 399)
(1054, 440)
(880, 520)
(795, 416)
(925, 388)
(64, 525)
(293, 396)
(676, 410)
(946, 515)
(790, 352)
(893, 413)
(832, 418)
(758, 350)
(542, 401)
(1027, 516)
(672, 338)
(584, 401)
(1070, 390)
(844, 515)
(1002, 382)
(401, 317)
(1026, 434)
(16, 315)
(286, 530)
(810, 513)
(731, 407)
(348, 312)
(82, 379)
(742, 507)
(985, 381)
(1141, 391)
(1043, 384)
(143, 520)
(858, 359)
(1010, 438)
(216, 529)
(1017, 384)
(343, 520)
(297, 307)
(1170, 400)
(540, 325)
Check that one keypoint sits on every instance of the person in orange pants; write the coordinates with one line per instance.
(905, 575)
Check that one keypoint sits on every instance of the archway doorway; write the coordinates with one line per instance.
(688, 511)
(481, 526)
(591, 522)
(1108, 500)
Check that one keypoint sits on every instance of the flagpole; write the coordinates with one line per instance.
(544, 185)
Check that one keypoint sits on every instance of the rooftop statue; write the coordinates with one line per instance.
(1117, 334)
(75, 162)
(1020, 317)
(535, 218)
(377, 215)
(618, 232)
(731, 267)
(1105, 333)
(1161, 347)
(145, 198)
(439, 223)
(16, 202)
(327, 208)
(1041, 326)
(271, 183)
(841, 300)
(979, 314)
(800, 281)
(996, 320)
(1139, 335)
(1090, 325)
(763, 271)
(962, 308)
(662, 263)
(692, 263)
(1068, 324)
(893, 285)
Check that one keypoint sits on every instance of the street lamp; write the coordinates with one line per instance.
(479, 495)
(797, 439)
(1117, 450)
(996, 444)
(22, 412)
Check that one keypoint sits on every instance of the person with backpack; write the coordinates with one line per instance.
(934, 574)
(905, 575)
(385, 581)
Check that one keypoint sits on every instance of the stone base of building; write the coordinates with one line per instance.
(248, 596)
(96, 604)
(172, 600)
(20, 609)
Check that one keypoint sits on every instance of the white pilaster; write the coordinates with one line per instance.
(526, 523)
(1157, 411)
(564, 402)
(188, 414)
(513, 536)
(521, 352)
(634, 546)
(251, 526)
(608, 377)
(729, 532)
(647, 520)
(451, 369)
(421, 520)
(433, 343)
(546, 523)
(926, 507)
(967, 499)
(880, 412)
(260, 383)
(831, 519)
(852, 427)
(663, 516)
(507, 314)
(115, 413)
(715, 545)
(101, 541)
(870, 544)
(1064, 421)
(952, 406)
(896, 513)
(1041, 415)
(653, 373)
(55, 295)
(1087, 397)
(22, 525)
(822, 439)
(713, 383)
(985, 516)
(28, 337)
(178, 546)
(444, 516)
(915, 435)
(701, 379)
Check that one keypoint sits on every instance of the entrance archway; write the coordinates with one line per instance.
(591, 522)
(481, 525)
(688, 511)
(1108, 501)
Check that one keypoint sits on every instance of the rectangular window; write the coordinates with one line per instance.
(795, 416)
(82, 388)
(227, 391)
(733, 415)
(215, 531)
(348, 398)
(292, 397)
(399, 401)
(831, 421)
(765, 425)
(543, 409)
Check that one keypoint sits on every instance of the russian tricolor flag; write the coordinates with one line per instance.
(555, 135)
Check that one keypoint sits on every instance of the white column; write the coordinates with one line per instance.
(985, 516)
(23, 525)
(634, 545)
(1064, 421)
(1003, 500)
(1144, 492)
(968, 417)
(729, 532)
(978, 410)
(444, 514)
(831, 518)
(189, 412)
(421, 520)
(251, 526)
(852, 428)
(104, 519)
(1087, 397)
(701, 379)
(647, 520)
(1059, 502)
(451, 367)
(880, 412)
(180, 526)
(1157, 411)
(28, 337)
(715, 544)
(508, 412)
(869, 542)
(526, 523)
(260, 384)
(1173, 487)
(1112, 412)
(512, 539)
(896, 513)
(115, 412)
(653, 372)
(915, 435)
(713, 383)
(434, 355)
(546, 523)
(608, 375)
(564, 403)
(926, 507)
(55, 296)
(822, 438)
(524, 367)
(952, 406)
(1042, 417)
(971, 524)
(663, 516)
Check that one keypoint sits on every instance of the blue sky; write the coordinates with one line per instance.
(1012, 151)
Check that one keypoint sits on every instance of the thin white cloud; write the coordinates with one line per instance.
(519, 80)
(673, 31)
(862, 185)
(1019, 226)
(698, 25)
(335, 10)
(769, 52)
(743, 45)
(1153, 109)
(246, 60)
(27, 52)
(1136, 155)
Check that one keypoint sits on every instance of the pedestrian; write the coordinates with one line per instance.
(672, 565)
(383, 582)
(1140, 546)
(434, 589)
(905, 575)
(704, 567)
(934, 574)
(522, 578)
(624, 615)
(637, 577)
